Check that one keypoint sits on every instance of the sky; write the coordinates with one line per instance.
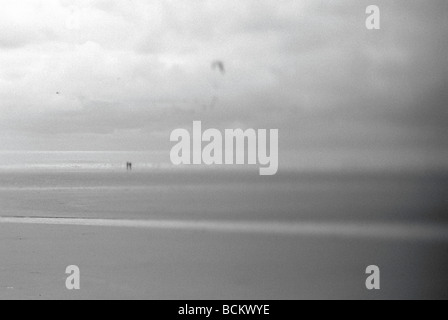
(120, 75)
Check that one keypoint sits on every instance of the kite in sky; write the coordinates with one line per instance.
(220, 66)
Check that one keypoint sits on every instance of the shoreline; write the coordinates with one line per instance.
(347, 230)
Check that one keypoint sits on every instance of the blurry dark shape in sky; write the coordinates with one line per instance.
(219, 65)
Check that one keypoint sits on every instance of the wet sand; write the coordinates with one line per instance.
(125, 262)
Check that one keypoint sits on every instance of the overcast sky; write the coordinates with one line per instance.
(122, 74)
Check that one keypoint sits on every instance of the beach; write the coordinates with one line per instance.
(234, 150)
(209, 235)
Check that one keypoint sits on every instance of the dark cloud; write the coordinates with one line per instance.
(135, 70)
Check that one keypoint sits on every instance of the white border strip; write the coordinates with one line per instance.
(381, 231)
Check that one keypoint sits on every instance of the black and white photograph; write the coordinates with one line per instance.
(223, 151)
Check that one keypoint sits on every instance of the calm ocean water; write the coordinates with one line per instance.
(78, 160)
(147, 160)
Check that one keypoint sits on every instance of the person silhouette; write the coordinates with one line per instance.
(129, 166)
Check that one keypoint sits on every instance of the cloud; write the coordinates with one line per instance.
(139, 69)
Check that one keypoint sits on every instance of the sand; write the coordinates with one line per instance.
(125, 262)
(122, 263)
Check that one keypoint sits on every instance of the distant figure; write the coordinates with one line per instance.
(129, 166)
